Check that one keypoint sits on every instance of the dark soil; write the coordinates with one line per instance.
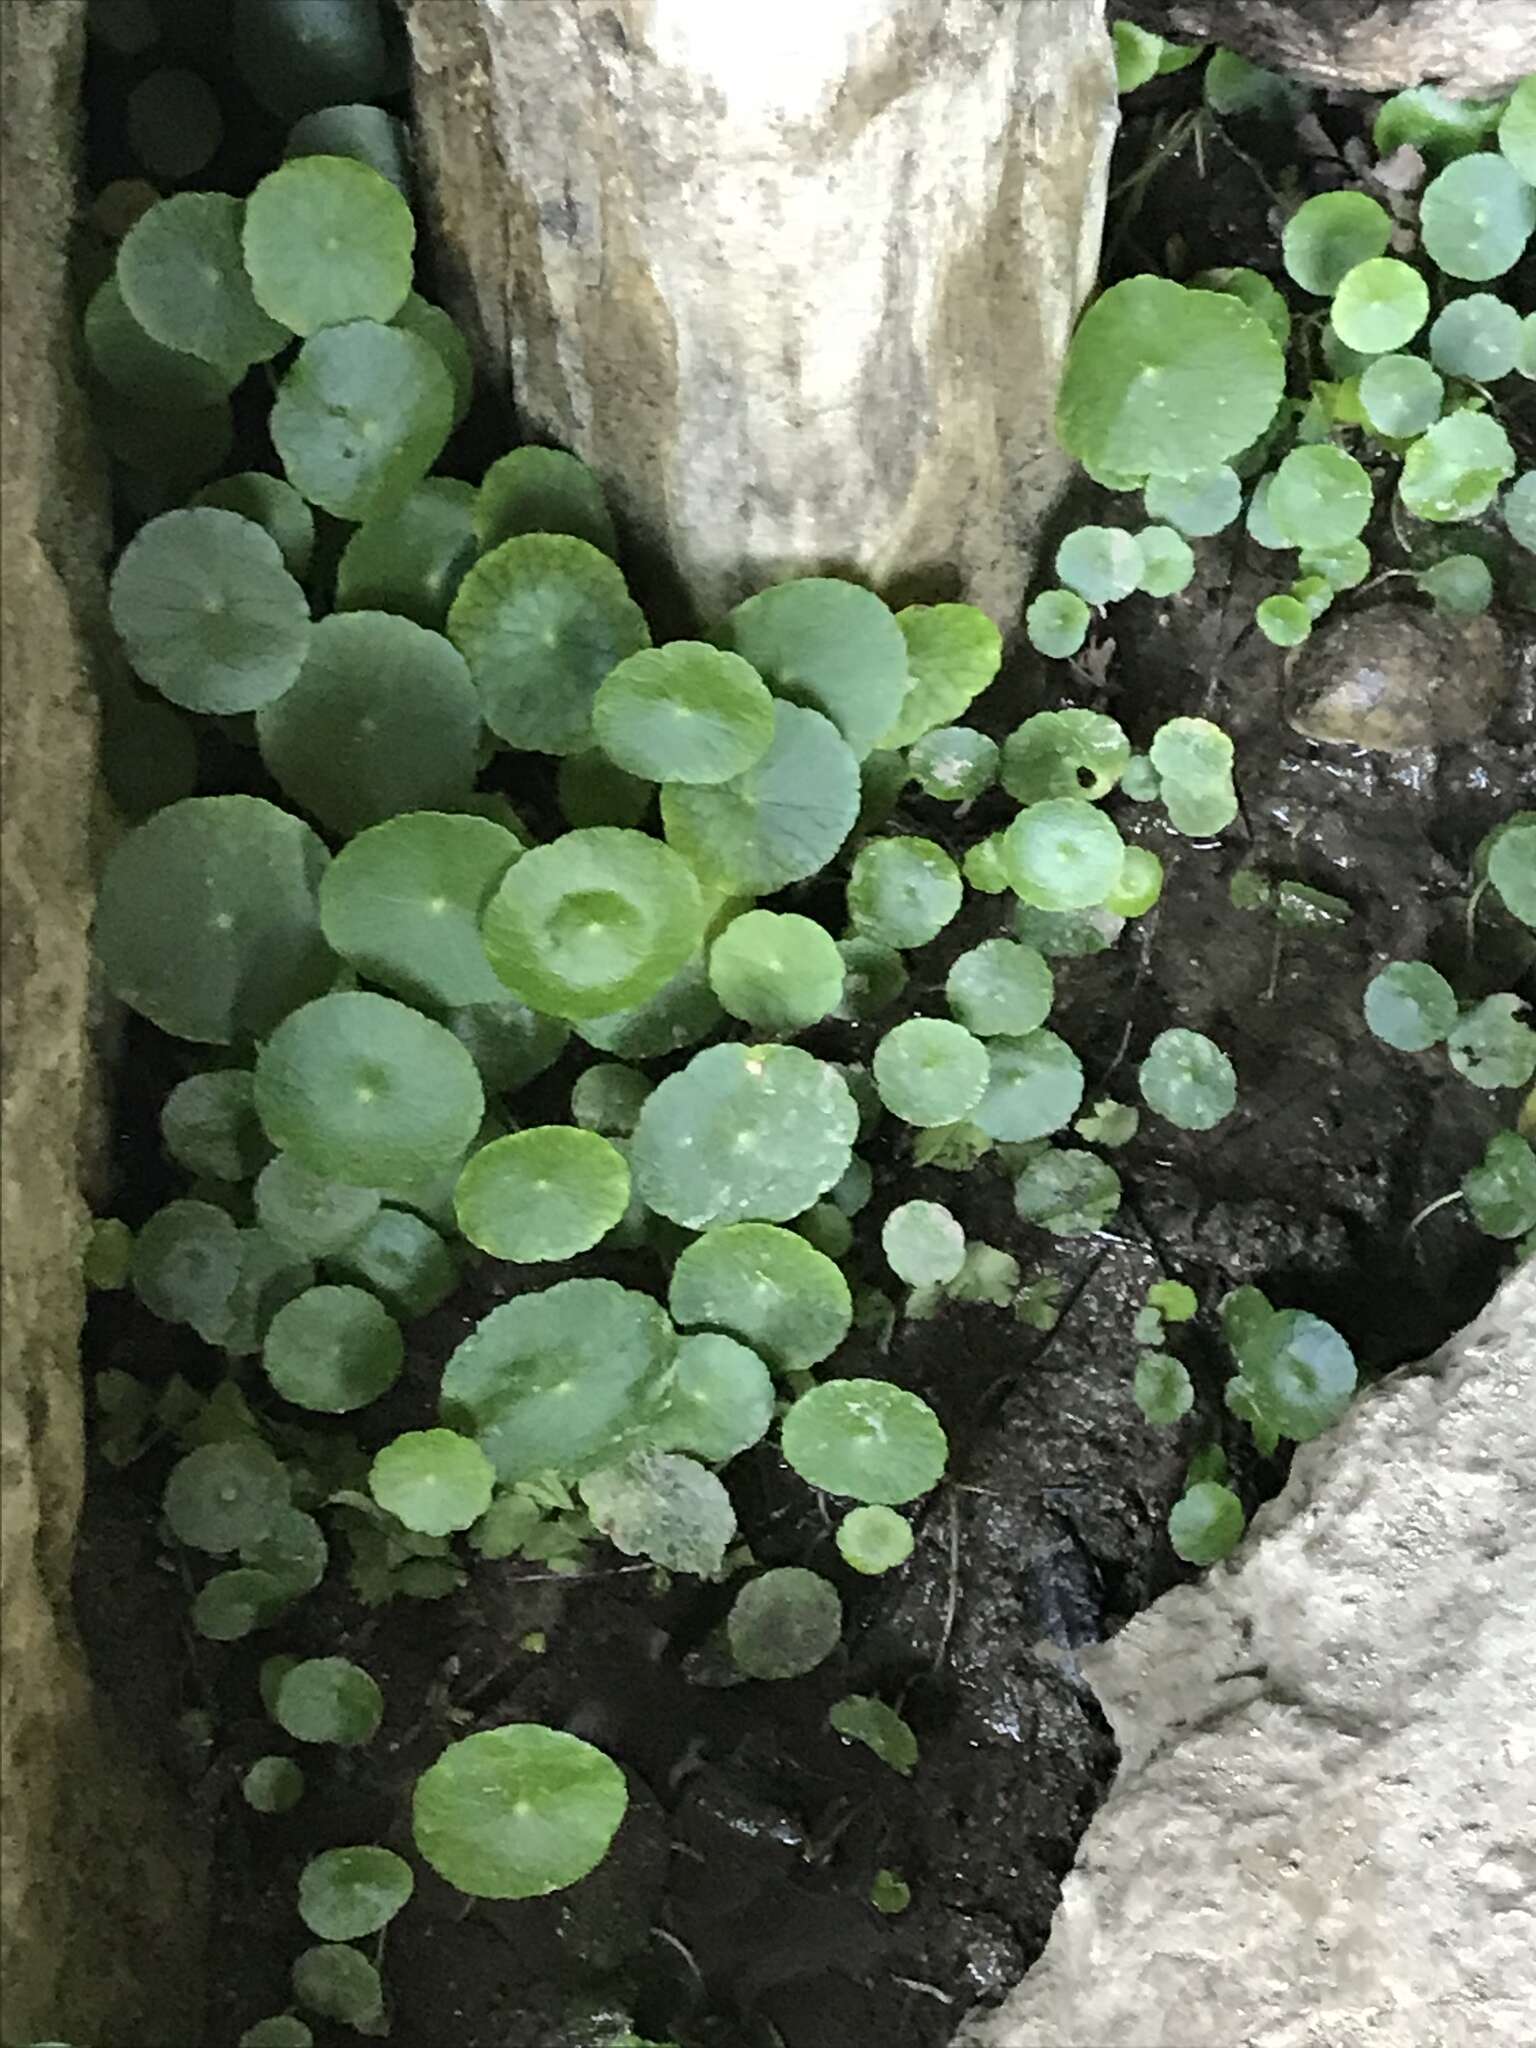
(734, 1912)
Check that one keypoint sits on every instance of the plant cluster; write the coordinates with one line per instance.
(369, 965)
(1363, 392)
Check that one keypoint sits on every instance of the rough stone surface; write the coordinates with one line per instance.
(796, 280)
(1323, 1833)
(1396, 677)
(99, 1937)
(1468, 46)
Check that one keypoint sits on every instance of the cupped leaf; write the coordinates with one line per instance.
(1476, 217)
(411, 560)
(182, 277)
(333, 1349)
(776, 971)
(1328, 235)
(781, 820)
(1460, 585)
(403, 903)
(743, 1132)
(360, 417)
(866, 1439)
(361, 1089)
(1167, 561)
(1147, 357)
(930, 1072)
(1297, 1374)
(594, 922)
(828, 645)
(542, 620)
(434, 1481)
(345, 1894)
(1163, 1388)
(767, 1287)
(382, 719)
(902, 892)
(687, 712)
(880, 1728)
(1187, 1078)
(784, 1623)
(1193, 760)
(1062, 854)
(546, 1193)
(563, 1380)
(953, 652)
(326, 239)
(542, 490)
(517, 1812)
(1436, 125)
(207, 921)
(208, 613)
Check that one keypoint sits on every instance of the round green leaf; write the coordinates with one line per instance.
(174, 123)
(332, 1349)
(923, 1244)
(859, 1718)
(781, 820)
(223, 1496)
(677, 1016)
(1436, 125)
(1401, 395)
(271, 504)
(594, 922)
(1454, 471)
(1477, 337)
(1189, 1080)
(403, 902)
(1198, 505)
(1000, 989)
(1101, 563)
(510, 1044)
(436, 1482)
(1163, 1388)
(517, 1812)
(1071, 1194)
(1299, 1373)
(293, 1553)
(776, 971)
(1501, 1191)
(954, 763)
(347, 1893)
(361, 416)
(382, 719)
(902, 892)
(1461, 585)
(1167, 561)
(686, 712)
(1257, 294)
(1064, 754)
(328, 1699)
(1034, 1087)
(608, 1097)
(273, 1784)
(184, 280)
(210, 1127)
(339, 1984)
(361, 1089)
(719, 1399)
(1490, 1047)
(1140, 884)
(1517, 129)
(542, 490)
(874, 1540)
(1512, 870)
(1346, 565)
(547, 1193)
(1163, 379)
(326, 240)
(592, 791)
(308, 1215)
(1193, 760)
(355, 130)
(953, 652)
(1057, 623)
(743, 1132)
(1519, 510)
(766, 1286)
(206, 919)
(297, 55)
(145, 370)
(233, 1605)
(411, 560)
(1476, 217)
(784, 1623)
(563, 1380)
(542, 620)
(1380, 305)
(207, 611)
(1329, 235)
(1063, 854)
(1320, 497)
(282, 2031)
(828, 645)
(930, 1072)
(1206, 1524)
(867, 1439)
(1284, 621)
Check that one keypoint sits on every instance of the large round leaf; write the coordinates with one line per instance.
(867, 1439)
(1163, 379)
(953, 652)
(830, 645)
(413, 559)
(542, 490)
(743, 1132)
(687, 712)
(382, 719)
(516, 1813)
(1329, 234)
(145, 370)
(541, 620)
(546, 1193)
(361, 417)
(562, 1381)
(327, 240)
(766, 1286)
(207, 922)
(779, 822)
(183, 279)
(208, 613)
(1476, 217)
(361, 1089)
(596, 921)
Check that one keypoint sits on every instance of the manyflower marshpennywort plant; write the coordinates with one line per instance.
(529, 948)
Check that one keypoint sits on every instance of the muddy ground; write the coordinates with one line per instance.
(735, 1910)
